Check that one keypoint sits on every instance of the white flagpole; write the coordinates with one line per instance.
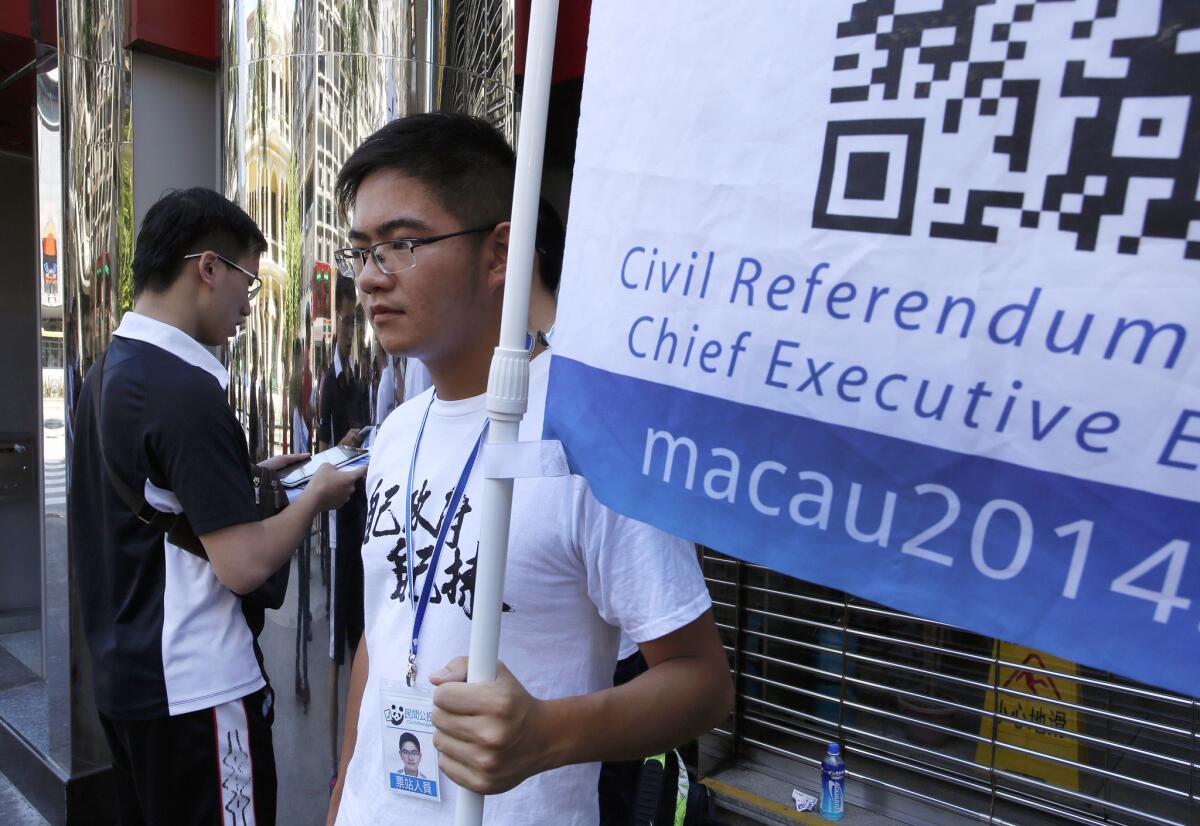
(508, 382)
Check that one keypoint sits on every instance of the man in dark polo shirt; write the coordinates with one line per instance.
(184, 704)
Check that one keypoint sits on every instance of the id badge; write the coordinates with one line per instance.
(410, 762)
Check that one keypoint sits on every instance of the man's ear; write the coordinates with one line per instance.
(206, 268)
(497, 247)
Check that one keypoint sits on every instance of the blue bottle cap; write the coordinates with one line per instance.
(834, 748)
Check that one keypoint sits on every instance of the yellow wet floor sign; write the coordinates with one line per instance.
(1029, 696)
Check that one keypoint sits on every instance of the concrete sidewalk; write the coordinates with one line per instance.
(15, 809)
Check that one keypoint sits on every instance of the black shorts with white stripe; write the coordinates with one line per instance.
(213, 767)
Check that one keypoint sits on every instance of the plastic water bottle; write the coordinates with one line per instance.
(833, 784)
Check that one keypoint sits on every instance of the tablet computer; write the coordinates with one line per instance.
(338, 456)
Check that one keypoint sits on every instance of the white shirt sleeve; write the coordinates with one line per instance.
(646, 582)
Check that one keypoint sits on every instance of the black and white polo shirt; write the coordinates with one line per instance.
(166, 636)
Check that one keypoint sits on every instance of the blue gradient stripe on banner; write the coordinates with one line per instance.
(1022, 555)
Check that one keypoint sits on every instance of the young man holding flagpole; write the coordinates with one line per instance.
(429, 197)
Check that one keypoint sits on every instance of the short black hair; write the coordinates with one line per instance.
(343, 292)
(186, 221)
(551, 237)
(466, 163)
(409, 737)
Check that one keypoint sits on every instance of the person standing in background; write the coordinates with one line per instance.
(299, 393)
(388, 394)
(345, 408)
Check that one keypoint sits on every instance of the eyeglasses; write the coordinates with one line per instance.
(397, 255)
(255, 281)
(409, 753)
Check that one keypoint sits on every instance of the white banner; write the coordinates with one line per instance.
(902, 303)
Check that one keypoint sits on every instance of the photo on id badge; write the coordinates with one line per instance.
(409, 758)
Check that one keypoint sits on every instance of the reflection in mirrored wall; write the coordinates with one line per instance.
(305, 81)
(301, 83)
(85, 246)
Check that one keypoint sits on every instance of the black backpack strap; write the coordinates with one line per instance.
(175, 525)
(648, 801)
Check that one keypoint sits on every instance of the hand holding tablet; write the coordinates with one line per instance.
(338, 456)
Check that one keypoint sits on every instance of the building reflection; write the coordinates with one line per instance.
(305, 81)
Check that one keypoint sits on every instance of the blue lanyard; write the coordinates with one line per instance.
(419, 605)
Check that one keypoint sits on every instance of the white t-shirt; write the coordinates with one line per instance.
(578, 574)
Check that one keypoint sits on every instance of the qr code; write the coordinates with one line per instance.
(1076, 116)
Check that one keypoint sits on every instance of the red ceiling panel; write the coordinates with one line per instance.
(14, 20)
(183, 31)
